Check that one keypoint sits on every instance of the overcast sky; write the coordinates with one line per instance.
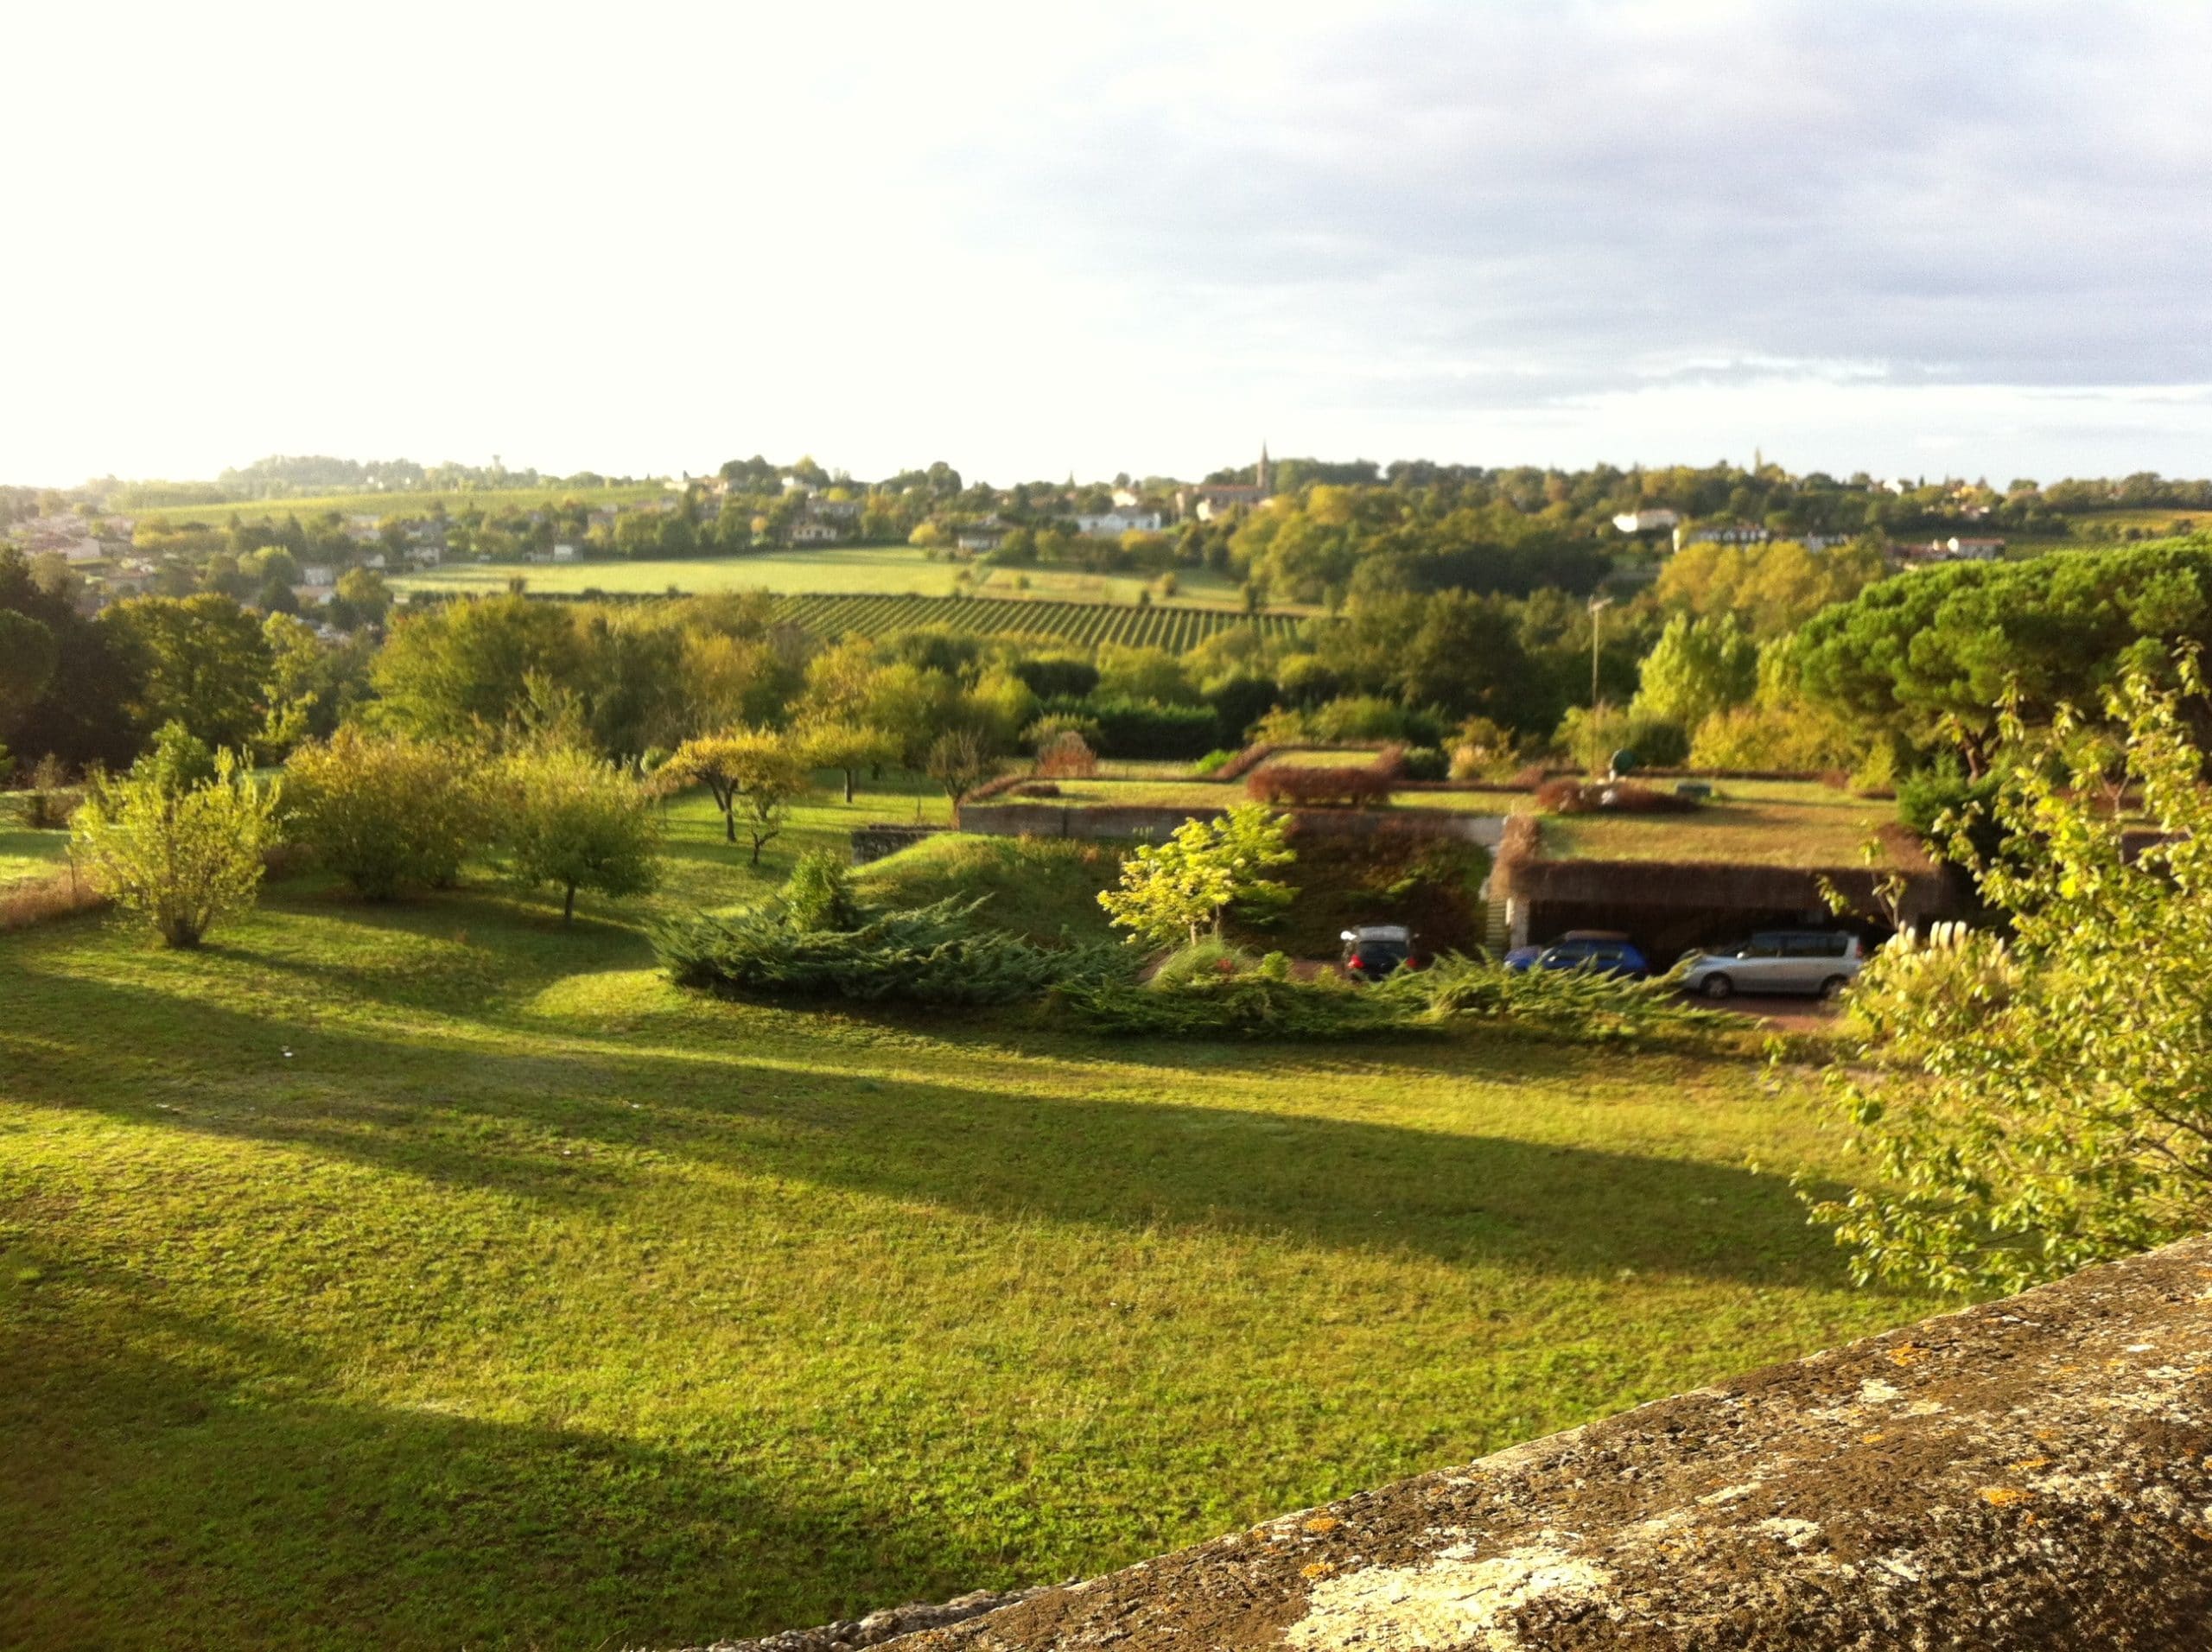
(1034, 238)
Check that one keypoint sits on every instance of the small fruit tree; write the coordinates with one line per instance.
(1170, 890)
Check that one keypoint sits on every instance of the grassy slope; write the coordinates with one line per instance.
(528, 1301)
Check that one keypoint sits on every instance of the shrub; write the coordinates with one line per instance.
(1426, 763)
(1194, 995)
(1297, 786)
(819, 894)
(386, 811)
(1066, 756)
(184, 855)
(576, 823)
(52, 800)
(1591, 737)
(1608, 797)
(1213, 762)
(1579, 1003)
(1208, 867)
(939, 954)
(1042, 732)
(1141, 729)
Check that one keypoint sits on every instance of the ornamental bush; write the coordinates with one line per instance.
(180, 851)
(387, 812)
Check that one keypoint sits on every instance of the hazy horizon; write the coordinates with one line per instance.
(1960, 239)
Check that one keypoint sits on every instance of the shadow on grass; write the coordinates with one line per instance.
(214, 1495)
(450, 1104)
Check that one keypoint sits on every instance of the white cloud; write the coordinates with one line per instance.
(1035, 238)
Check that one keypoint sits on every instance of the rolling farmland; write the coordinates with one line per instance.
(1081, 625)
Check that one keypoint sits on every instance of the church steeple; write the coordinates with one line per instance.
(1262, 478)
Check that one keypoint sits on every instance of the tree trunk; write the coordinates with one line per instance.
(569, 906)
(729, 825)
(849, 777)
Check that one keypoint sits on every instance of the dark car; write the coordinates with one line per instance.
(1607, 951)
(1605, 954)
(1374, 951)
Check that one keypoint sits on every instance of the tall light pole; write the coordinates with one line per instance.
(1597, 605)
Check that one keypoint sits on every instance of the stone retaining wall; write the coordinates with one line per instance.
(2033, 1473)
(875, 840)
(1158, 821)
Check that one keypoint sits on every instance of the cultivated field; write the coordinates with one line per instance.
(1080, 625)
(886, 571)
(406, 505)
(431, 1275)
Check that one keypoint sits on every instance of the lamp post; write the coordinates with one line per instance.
(1597, 605)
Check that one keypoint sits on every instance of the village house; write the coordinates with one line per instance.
(981, 538)
(1650, 521)
(1114, 524)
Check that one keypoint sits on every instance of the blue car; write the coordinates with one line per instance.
(1602, 950)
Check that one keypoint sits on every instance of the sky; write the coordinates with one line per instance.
(1928, 239)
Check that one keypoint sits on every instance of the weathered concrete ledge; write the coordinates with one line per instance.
(2036, 1472)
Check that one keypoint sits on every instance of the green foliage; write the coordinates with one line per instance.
(1939, 803)
(201, 661)
(573, 821)
(386, 811)
(819, 894)
(1930, 655)
(180, 851)
(1771, 588)
(2031, 1108)
(1169, 891)
(27, 658)
(752, 773)
(1697, 668)
(1591, 737)
(1566, 1003)
(939, 954)
(1207, 990)
(849, 747)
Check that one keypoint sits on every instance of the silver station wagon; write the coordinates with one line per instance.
(1819, 962)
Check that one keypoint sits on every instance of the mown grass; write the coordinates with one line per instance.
(25, 853)
(437, 1275)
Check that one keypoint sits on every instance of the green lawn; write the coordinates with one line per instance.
(887, 570)
(1786, 822)
(436, 1275)
(24, 853)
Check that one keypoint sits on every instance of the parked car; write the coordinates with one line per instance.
(1374, 951)
(1821, 963)
(1606, 951)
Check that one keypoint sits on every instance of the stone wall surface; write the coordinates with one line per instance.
(2033, 1473)
(1160, 821)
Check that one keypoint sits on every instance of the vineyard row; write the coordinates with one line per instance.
(1080, 625)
